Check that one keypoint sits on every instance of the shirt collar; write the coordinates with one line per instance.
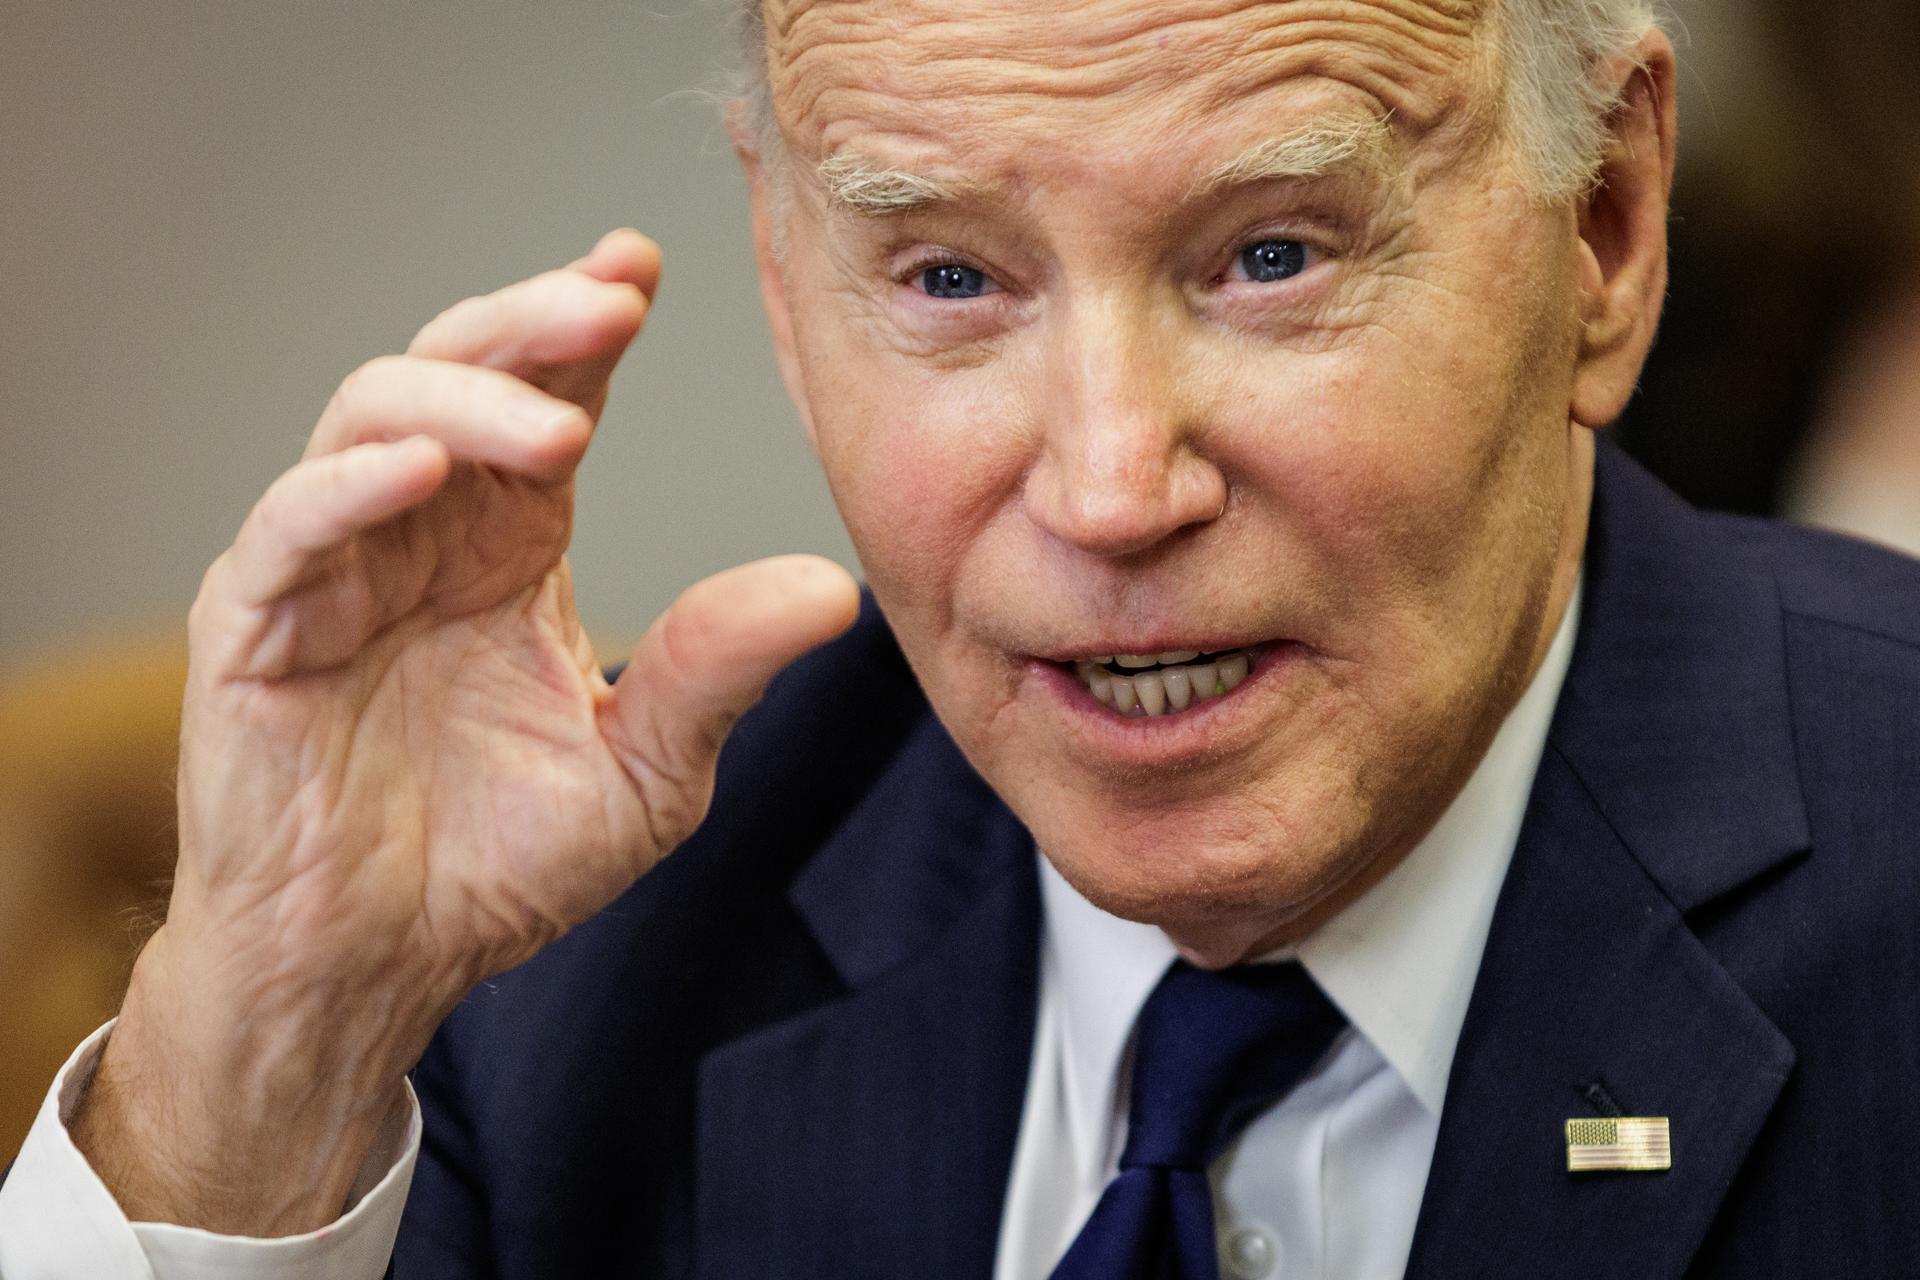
(1399, 962)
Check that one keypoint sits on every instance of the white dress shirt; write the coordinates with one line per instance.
(1325, 1185)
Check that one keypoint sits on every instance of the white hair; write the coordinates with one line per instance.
(1556, 57)
(1554, 60)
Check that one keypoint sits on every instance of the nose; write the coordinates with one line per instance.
(1118, 470)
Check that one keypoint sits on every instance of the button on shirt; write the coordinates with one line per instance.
(1326, 1185)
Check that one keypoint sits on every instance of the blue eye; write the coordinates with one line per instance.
(1271, 260)
(952, 280)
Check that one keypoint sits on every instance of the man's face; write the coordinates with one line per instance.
(1141, 328)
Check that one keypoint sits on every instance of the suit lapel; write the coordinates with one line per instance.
(1668, 783)
(1591, 977)
(873, 1136)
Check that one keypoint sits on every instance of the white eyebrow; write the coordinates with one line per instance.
(1316, 150)
(858, 187)
(1364, 145)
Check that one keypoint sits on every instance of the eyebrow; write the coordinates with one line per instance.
(867, 190)
(1362, 145)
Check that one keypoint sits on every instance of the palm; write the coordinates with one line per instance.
(432, 765)
(399, 753)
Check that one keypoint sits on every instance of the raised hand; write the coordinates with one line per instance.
(401, 770)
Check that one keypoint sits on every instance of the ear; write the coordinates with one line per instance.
(1623, 236)
(761, 181)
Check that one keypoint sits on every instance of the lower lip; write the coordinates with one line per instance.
(1202, 727)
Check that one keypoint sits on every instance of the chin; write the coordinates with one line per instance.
(1216, 892)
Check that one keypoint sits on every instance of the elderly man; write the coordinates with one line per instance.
(1293, 805)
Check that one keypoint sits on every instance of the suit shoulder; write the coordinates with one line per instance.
(1851, 618)
(1835, 580)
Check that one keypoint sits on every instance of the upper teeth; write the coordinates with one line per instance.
(1150, 659)
(1154, 693)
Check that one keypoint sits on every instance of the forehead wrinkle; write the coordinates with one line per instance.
(1066, 35)
(934, 62)
(1417, 81)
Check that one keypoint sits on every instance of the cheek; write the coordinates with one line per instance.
(921, 461)
(1402, 451)
(1403, 492)
(1359, 462)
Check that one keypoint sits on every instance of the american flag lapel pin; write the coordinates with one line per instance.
(1635, 1144)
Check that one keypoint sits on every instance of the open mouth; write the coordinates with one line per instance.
(1158, 684)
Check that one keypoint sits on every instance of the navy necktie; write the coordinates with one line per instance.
(1213, 1051)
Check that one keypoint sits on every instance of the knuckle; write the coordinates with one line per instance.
(211, 613)
(442, 334)
(519, 296)
(544, 295)
(559, 281)
(284, 489)
(357, 402)
(350, 392)
(291, 490)
(383, 370)
(366, 382)
(209, 590)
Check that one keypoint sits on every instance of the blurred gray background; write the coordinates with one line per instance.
(213, 209)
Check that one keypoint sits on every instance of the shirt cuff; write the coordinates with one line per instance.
(58, 1220)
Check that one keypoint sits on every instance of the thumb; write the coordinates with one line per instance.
(702, 664)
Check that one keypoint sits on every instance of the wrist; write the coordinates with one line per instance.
(240, 1113)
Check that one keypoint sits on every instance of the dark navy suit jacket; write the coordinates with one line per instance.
(798, 1049)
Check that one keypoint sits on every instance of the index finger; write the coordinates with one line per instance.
(563, 330)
